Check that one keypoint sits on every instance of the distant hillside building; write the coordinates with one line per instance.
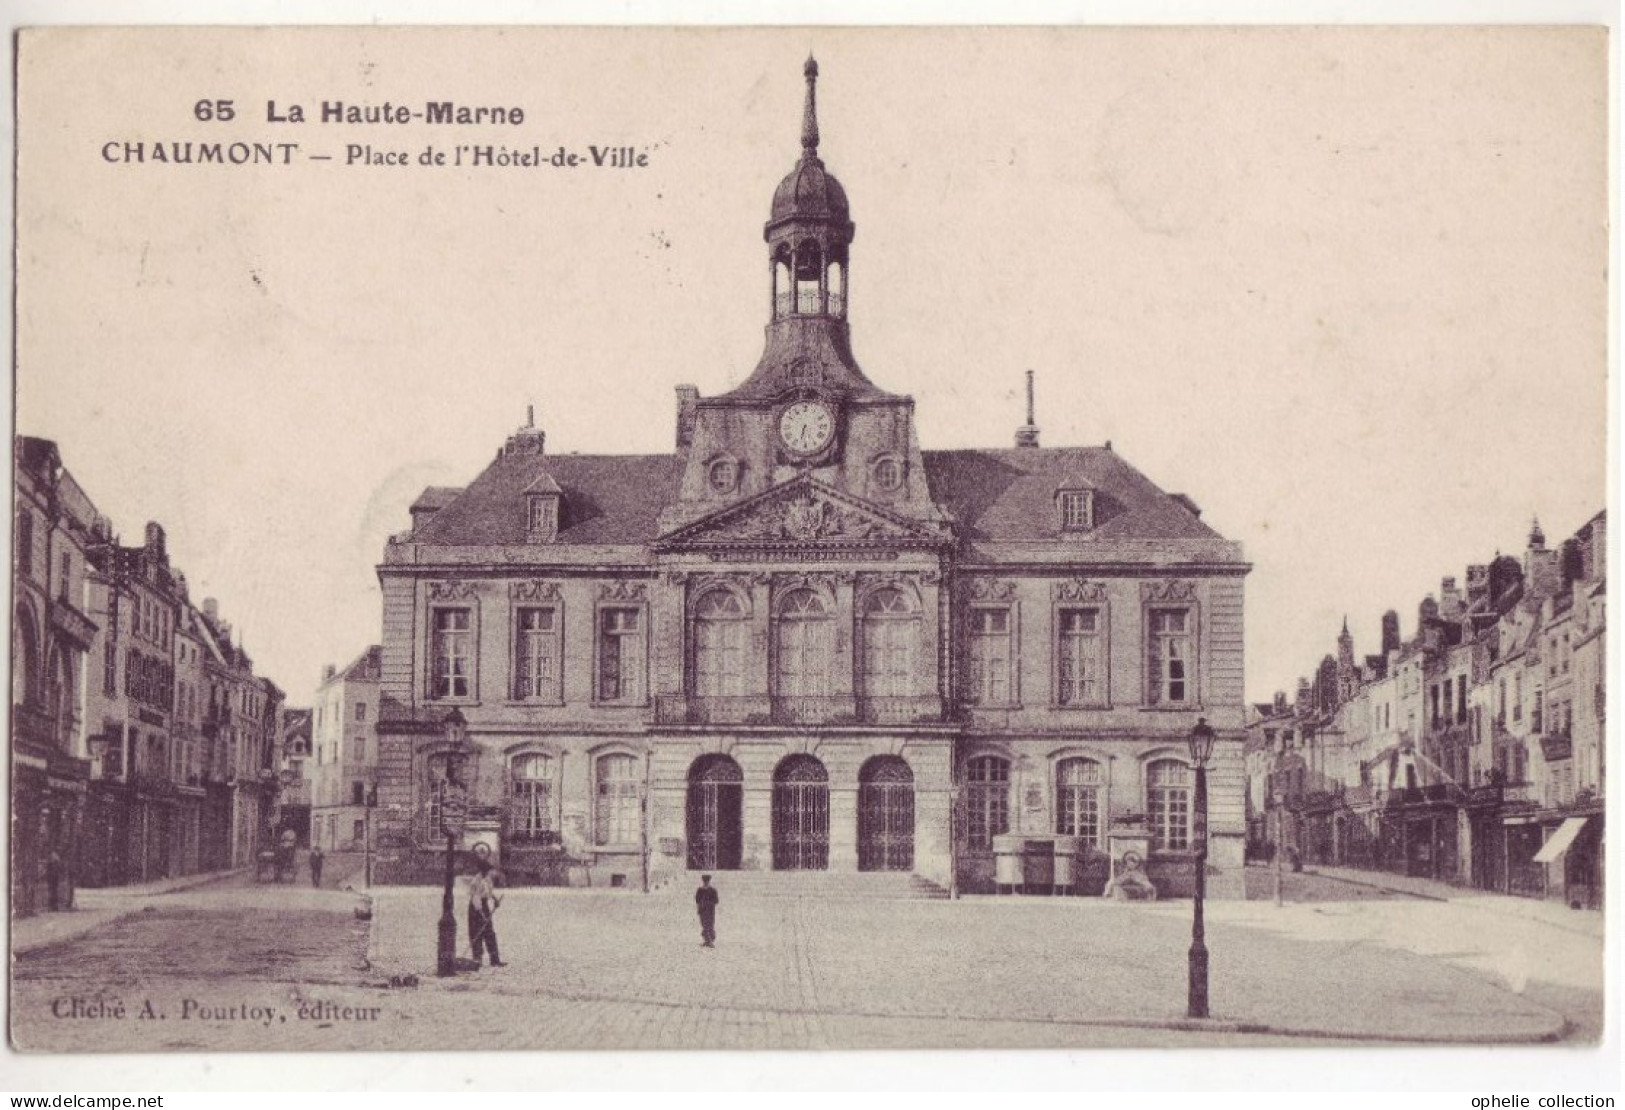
(801, 643)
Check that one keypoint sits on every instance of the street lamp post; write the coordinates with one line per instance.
(1201, 743)
(446, 947)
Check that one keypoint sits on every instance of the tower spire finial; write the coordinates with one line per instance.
(809, 115)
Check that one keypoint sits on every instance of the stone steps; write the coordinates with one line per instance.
(859, 885)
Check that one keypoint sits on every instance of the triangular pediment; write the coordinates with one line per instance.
(803, 512)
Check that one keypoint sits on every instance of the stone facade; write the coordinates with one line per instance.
(800, 642)
(144, 743)
(344, 753)
(1471, 753)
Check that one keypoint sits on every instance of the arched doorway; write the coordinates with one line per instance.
(800, 815)
(716, 795)
(885, 815)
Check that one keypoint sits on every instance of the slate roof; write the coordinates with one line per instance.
(992, 495)
(366, 667)
(436, 497)
(612, 499)
(1009, 494)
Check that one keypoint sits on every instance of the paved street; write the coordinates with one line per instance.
(239, 966)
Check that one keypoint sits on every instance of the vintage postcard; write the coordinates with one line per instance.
(541, 538)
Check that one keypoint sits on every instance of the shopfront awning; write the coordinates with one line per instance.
(1561, 839)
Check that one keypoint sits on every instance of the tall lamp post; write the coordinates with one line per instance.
(450, 817)
(1201, 742)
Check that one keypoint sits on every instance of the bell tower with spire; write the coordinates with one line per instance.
(807, 409)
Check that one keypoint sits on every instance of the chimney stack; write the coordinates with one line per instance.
(1390, 632)
(687, 398)
(1027, 434)
(211, 608)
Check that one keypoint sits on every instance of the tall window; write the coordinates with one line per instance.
(360, 711)
(25, 543)
(1461, 699)
(891, 632)
(987, 800)
(1077, 799)
(620, 655)
(452, 654)
(1168, 801)
(1168, 646)
(616, 815)
(989, 670)
(530, 779)
(536, 667)
(1080, 654)
(720, 630)
(444, 772)
(806, 645)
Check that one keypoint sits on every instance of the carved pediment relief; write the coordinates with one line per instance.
(534, 590)
(452, 589)
(622, 591)
(802, 512)
(1172, 589)
(1077, 589)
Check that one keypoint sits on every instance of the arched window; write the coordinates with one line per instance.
(24, 658)
(444, 774)
(806, 645)
(530, 816)
(720, 631)
(837, 286)
(783, 297)
(616, 814)
(1077, 800)
(809, 277)
(891, 635)
(1168, 801)
(987, 800)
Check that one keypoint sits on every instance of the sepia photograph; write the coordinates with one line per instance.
(731, 539)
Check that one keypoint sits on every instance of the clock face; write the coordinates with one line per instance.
(806, 426)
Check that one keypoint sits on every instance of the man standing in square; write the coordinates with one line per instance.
(482, 904)
(706, 900)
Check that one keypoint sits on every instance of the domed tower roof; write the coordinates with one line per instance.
(809, 191)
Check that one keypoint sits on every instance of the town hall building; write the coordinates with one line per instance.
(800, 643)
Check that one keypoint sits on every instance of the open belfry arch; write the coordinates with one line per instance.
(799, 643)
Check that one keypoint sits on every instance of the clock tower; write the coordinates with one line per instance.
(807, 409)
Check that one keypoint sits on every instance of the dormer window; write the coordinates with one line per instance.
(544, 518)
(1076, 505)
(542, 510)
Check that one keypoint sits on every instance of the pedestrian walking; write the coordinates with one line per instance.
(316, 861)
(483, 901)
(706, 899)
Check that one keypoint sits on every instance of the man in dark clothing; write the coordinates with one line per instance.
(483, 901)
(706, 899)
(316, 860)
(53, 880)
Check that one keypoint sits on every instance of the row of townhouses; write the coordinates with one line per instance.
(144, 746)
(801, 643)
(1471, 753)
